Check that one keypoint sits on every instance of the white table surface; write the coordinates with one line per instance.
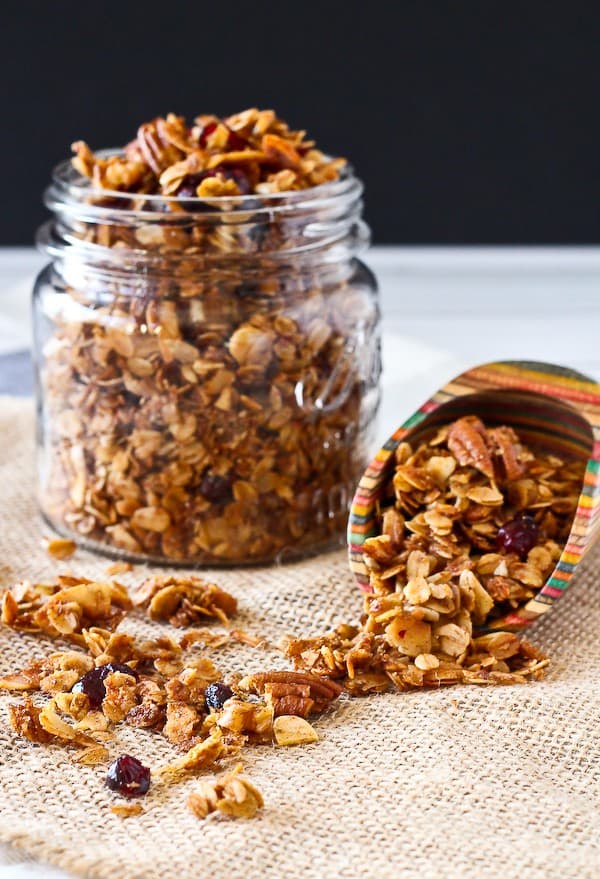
(444, 309)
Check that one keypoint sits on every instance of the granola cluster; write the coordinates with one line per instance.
(471, 526)
(231, 794)
(184, 601)
(209, 372)
(66, 607)
(249, 152)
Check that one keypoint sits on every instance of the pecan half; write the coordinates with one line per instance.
(467, 442)
(505, 444)
(289, 689)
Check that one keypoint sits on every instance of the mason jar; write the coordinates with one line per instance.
(207, 370)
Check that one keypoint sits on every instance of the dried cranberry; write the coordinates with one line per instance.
(215, 488)
(92, 682)
(259, 231)
(189, 184)
(187, 189)
(128, 776)
(216, 695)
(234, 141)
(240, 177)
(206, 133)
(519, 535)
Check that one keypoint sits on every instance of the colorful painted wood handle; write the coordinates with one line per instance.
(549, 406)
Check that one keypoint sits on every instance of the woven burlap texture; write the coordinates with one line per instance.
(461, 782)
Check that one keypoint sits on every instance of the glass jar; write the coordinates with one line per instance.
(207, 370)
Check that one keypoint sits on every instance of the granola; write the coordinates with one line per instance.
(59, 548)
(152, 683)
(289, 730)
(471, 526)
(127, 810)
(184, 601)
(249, 152)
(66, 607)
(210, 397)
(231, 794)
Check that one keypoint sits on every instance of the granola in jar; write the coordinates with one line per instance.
(208, 346)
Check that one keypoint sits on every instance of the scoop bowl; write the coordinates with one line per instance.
(551, 407)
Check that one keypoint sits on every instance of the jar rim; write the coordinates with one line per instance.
(318, 220)
(69, 188)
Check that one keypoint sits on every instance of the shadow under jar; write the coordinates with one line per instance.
(207, 370)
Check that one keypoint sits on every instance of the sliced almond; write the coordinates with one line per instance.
(291, 730)
(60, 548)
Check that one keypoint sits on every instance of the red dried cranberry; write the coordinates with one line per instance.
(206, 133)
(234, 141)
(519, 535)
(92, 682)
(215, 488)
(128, 776)
(216, 695)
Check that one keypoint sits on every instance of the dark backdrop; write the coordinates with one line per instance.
(470, 122)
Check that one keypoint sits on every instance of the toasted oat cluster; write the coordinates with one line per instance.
(66, 607)
(231, 794)
(248, 152)
(184, 601)
(472, 525)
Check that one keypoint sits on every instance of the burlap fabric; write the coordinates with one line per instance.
(462, 782)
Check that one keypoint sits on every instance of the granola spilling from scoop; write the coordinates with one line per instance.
(248, 152)
(471, 526)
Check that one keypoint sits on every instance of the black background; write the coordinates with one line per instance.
(470, 122)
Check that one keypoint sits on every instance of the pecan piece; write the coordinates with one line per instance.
(467, 442)
(294, 688)
(505, 443)
(500, 588)
(289, 699)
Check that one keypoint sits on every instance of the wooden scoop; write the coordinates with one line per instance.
(551, 407)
